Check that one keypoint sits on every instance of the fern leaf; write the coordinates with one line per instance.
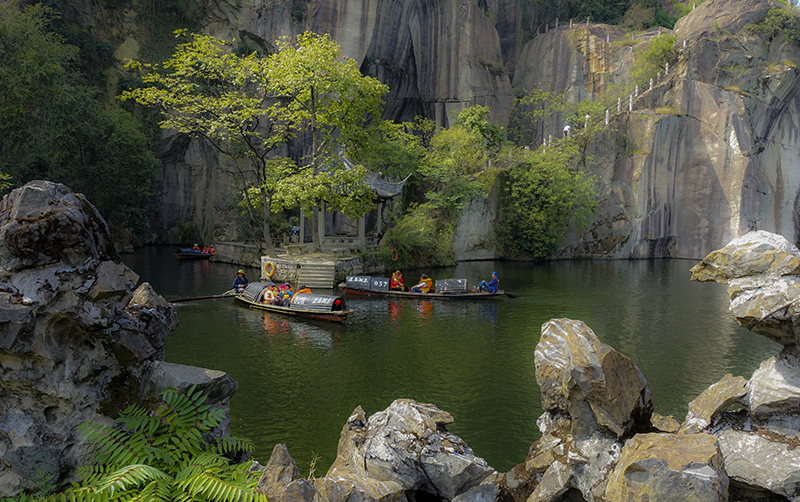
(129, 477)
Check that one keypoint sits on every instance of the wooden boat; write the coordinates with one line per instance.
(192, 254)
(446, 289)
(307, 306)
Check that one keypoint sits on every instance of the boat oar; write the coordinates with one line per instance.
(510, 295)
(227, 294)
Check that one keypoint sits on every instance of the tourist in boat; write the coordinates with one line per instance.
(396, 282)
(205, 250)
(196, 247)
(490, 286)
(271, 293)
(240, 281)
(424, 286)
(286, 295)
(302, 289)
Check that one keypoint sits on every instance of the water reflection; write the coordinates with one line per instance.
(299, 380)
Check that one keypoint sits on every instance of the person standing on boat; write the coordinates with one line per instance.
(396, 282)
(490, 286)
(424, 286)
(240, 281)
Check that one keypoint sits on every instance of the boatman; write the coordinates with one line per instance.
(240, 281)
(490, 286)
(424, 286)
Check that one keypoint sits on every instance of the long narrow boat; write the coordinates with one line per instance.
(447, 289)
(307, 306)
(192, 254)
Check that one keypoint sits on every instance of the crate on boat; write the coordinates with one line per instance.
(451, 286)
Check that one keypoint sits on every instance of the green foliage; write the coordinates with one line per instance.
(545, 194)
(54, 128)
(246, 107)
(652, 58)
(164, 455)
(455, 170)
(780, 22)
(474, 119)
(392, 149)
(421, 239)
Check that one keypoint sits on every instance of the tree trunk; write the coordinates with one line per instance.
(266, 204)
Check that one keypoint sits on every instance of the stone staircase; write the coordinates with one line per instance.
(317, 274)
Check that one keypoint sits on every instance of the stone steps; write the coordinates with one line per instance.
(317, 275)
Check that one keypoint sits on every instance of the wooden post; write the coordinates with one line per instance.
(587, 21)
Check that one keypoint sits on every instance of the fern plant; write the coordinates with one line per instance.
(164, 455)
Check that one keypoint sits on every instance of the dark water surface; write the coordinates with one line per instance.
(300, 380)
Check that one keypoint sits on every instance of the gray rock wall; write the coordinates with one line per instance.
(78, 339)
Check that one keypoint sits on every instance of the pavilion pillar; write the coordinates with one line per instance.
(380, 215)
(362, 231)
(321, 223)
(302, 227)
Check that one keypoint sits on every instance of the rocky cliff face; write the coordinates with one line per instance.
(708, 154)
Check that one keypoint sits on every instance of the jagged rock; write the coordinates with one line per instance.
(727, 14)
(77, 340)
(408, 444)
(763, 459)
(664, 424)
(598, 387)
(775, 386)
(685, 467)
(553, 484)
(279, 472)
(753, 254)
(714, 400)
(403, 448)
(760, 269)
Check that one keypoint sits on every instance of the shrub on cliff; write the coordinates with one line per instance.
(165, 455)
(545, 193)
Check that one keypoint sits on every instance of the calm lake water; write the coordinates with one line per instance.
(300, 380)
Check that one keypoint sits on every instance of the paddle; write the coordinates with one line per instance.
(226, 294)
(510, 295)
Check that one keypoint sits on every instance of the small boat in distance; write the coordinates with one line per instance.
(195, 253)
(306, 306)
(447, 289)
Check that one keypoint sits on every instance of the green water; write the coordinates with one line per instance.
(300, 380)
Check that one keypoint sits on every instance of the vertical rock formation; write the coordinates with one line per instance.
(758, 441)
(78, 340)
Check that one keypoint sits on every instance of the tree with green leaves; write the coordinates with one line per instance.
(207, 91)
(546, 192)
(164, 455)
(248, 106)
(55, 128)
(325, 91)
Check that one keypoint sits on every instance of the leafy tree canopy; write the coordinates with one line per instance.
(54, 127)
